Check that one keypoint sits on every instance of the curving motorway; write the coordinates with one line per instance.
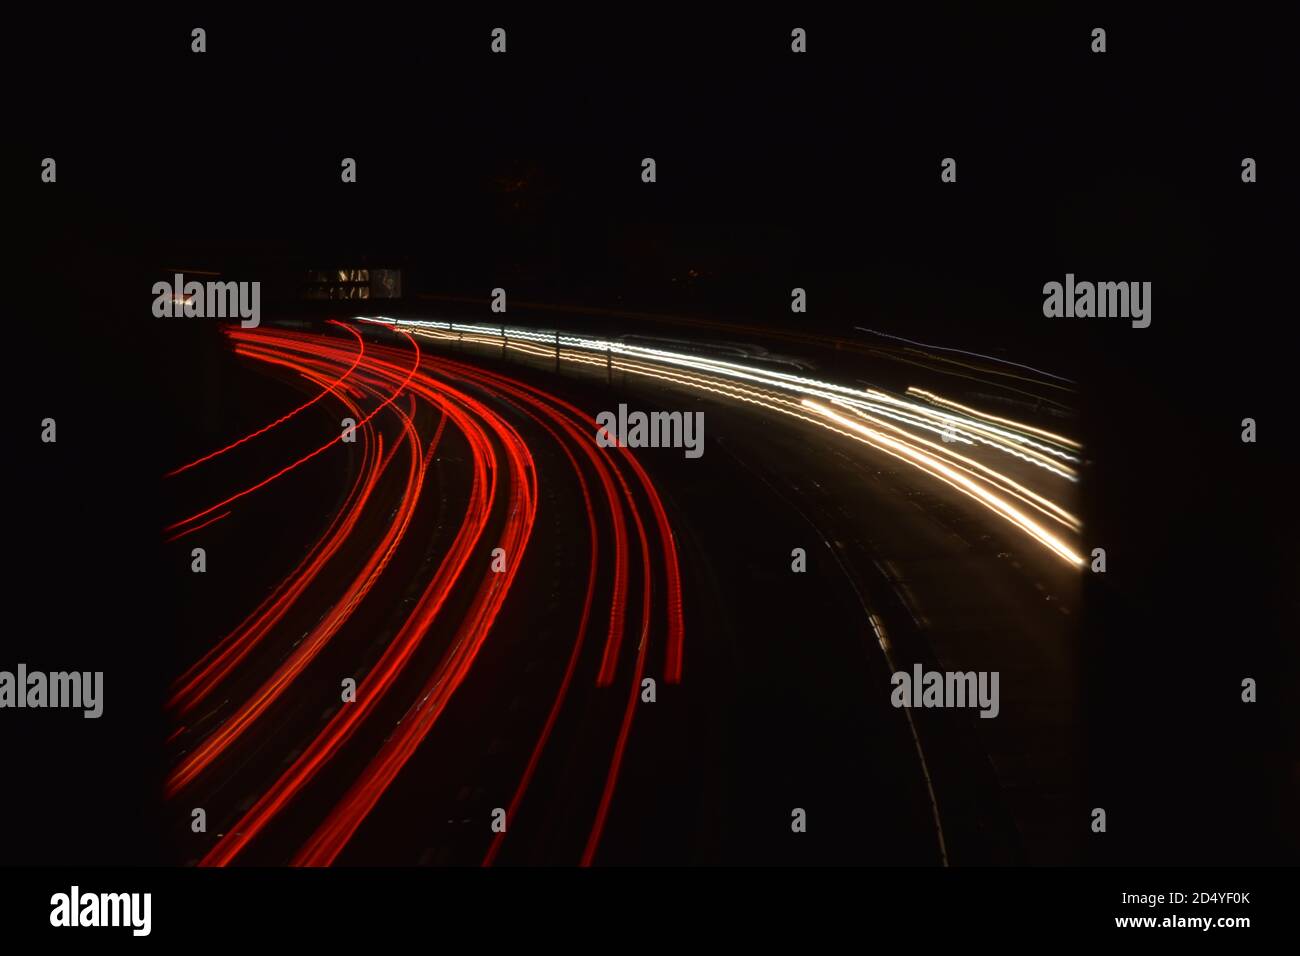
(490, 640)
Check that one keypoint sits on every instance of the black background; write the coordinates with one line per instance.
(774, 170)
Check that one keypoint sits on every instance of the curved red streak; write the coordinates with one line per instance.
(361, 351)
(676, 628)
(203, 676)
(216, 743)
(675, 609)
(672, 570)
(384, 672)
(517, 390)
(618, 602)
(337, 829)
(625, 729)
(305, 458)
(572, 664)
(197, 527)
(676, 623)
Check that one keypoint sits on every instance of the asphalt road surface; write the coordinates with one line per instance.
(507, 688)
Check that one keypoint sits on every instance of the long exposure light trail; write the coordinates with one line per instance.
(300, 461)
(1020, 426)
(327, 389)
(307, 649)
(503, 481)
(573, 423)
(949, 475)
(381, 676)
(764, 387)
(217, 664)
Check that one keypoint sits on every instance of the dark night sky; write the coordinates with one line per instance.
(774, 169)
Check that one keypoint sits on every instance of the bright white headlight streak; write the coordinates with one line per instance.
(979, 431)
(1014, 488)
(856, 399)
(940, 400)
(962, 430)
(974, 426)
(959, 481)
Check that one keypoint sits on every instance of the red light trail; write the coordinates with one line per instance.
(503, 495)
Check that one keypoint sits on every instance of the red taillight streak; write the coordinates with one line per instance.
(305, 458)
(616, 515)
(306, 651)
(676, 629)
(676, 624)
(333, 834)
(618, 602)
(361, 351)
(203, 676)
(398, 652)
(625, 729)
(197, 527)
